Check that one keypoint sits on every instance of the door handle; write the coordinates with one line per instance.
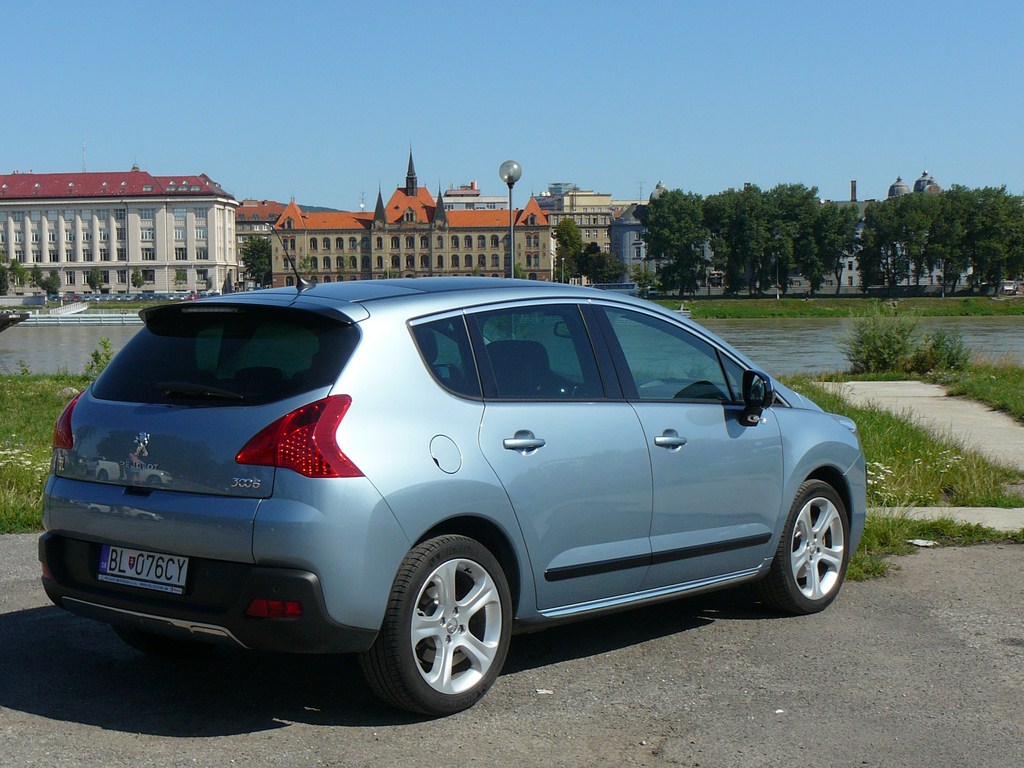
(670, 439)
(523, 441)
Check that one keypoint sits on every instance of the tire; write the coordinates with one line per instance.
(450, 594)
(810, 561)
(153, 644)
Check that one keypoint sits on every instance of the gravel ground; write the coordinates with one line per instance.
(922, 668)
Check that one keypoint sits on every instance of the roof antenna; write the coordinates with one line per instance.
(301, 283)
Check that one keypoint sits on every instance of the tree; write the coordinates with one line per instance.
(792, 212)
(35, 276)
(256, 256)
(137, 279)
(642, 275)
(739, 223)
(569, 244)
(883, 257)
(51, 283)
(94, 278)
(992, 225)
(180, 277)
(599, 266)
(19, 275)
(835, 235)
(674, 231)
(5, 280)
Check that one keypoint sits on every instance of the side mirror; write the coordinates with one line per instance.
(758, 394)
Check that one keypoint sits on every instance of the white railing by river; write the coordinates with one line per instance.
(84, 318)
(70, 309)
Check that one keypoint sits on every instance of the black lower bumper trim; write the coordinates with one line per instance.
(212, 608)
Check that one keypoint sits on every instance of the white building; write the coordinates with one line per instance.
(175, 232)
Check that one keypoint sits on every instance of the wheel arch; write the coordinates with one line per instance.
(490, 536)
(836, 479)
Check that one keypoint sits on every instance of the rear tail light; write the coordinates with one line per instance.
(62, 434)
(304, 440)
(261, 608)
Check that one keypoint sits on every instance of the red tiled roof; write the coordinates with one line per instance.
(423, 205)
(259, 210)
(322, 220)
(133, 183)
(533, 207)
(494, 218)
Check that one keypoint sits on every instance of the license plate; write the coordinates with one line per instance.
(138, 568)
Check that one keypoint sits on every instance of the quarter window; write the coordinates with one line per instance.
(444, 346)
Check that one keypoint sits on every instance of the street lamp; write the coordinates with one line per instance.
(510, 172)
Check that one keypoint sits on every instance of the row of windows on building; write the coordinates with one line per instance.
(315, 263)
(466, 241)
(290, 281)
(103, 235)
(100, 214)
(72, 278)
(104, 254)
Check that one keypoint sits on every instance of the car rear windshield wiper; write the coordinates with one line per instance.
(185, 390)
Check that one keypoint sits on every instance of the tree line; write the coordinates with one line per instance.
(17, 274)
(752, 240)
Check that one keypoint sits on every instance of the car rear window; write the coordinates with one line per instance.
(227, 355)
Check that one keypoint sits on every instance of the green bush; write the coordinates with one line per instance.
(940, 351)
(880, 341)
(883, 341)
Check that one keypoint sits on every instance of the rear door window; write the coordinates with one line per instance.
(227, 355)
(537, 353)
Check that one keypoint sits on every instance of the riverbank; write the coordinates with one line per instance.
(823, 306)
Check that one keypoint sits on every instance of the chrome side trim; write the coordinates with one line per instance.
(651, 595)
(193, 627)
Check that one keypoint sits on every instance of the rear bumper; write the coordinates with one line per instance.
(212, 609)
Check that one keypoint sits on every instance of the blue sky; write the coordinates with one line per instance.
(321, 101)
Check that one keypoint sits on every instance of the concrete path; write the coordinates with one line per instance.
(992, 433)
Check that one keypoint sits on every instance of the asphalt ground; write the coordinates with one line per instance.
(921, 668)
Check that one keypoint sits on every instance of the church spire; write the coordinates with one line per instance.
(410, 178)
(440, 214)
(380, 219)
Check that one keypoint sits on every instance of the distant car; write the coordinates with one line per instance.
(413, 469)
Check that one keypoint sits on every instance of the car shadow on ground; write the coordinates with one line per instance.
(630, 627)
(67, 668)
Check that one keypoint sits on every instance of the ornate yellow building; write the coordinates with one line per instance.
(412, 235)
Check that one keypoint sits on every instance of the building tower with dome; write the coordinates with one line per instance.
(925, 183)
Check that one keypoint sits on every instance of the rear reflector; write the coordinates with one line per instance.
(304, 440)
(261, 608)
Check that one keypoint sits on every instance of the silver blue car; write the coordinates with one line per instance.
(412, 470)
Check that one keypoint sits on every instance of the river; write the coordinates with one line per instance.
(779, 345)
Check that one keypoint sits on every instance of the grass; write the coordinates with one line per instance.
(29, 406)
(909, 467)
(997, 384)
(826, 306)
(888, 533)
